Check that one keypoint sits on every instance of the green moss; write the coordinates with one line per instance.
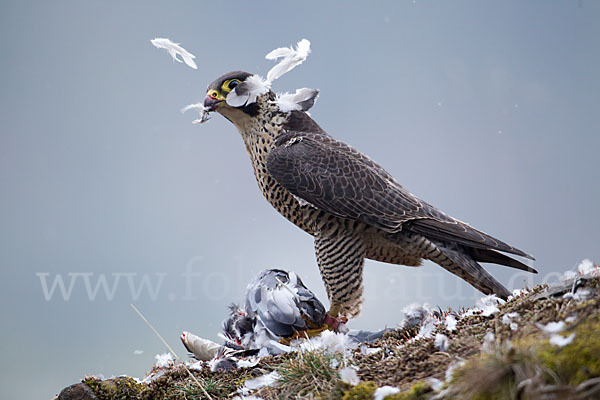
(487, 377)
(418, 391)
(362, 391)
(579, 360)
(116, 389)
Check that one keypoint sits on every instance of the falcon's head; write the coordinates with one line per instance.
(240, 103)
(239, 96)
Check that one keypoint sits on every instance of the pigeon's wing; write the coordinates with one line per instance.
(310, 306)
(336, 178)
(273, 301)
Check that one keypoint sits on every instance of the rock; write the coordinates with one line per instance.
(78, 391)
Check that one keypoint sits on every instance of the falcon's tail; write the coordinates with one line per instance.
(464, 265)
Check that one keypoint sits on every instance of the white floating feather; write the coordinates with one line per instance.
(204, 113)
(246, 92)
(175, 50)
(302, 100)
(291, 59)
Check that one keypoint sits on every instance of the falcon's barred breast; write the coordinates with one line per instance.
(350, 204)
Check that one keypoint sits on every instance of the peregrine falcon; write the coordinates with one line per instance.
(352, 206)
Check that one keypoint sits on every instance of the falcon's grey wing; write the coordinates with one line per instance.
(336, 178)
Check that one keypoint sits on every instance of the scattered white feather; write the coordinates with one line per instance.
(488, 342)
(291, 59)
(246, 92)
(247, 398)
(450, 323)
(384, 391)
(571, 318)
(509, 318)
(248, 363)
(488, 305)
(164, 360)
(302, 100)
(202, 349)
(581, 294)
(268, 380)
(587, 267)
(414, 315)
(518, 293)
(348, 375)
(427, 328)
(138, 352)
(435, 384)
(451, 368)
(151, 376)
(568, 275)
(175, 50)
(204, 113)
(560, 341)
(195, 365)
(552, 327)
(441, 342)
(365, 350)
(329, 341)
(334, 363)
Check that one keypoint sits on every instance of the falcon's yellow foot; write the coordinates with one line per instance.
(305, 334)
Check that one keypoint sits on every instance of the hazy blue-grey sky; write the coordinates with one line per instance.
(488, 110)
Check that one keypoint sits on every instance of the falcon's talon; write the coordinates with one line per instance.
(334, 324)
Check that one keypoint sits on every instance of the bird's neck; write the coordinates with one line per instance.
(260, 131)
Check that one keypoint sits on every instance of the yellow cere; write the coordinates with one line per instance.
(216, 95)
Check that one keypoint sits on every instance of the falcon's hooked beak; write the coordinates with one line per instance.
(212, 100)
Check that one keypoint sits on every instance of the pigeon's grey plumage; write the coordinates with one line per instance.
(350, 204)
(283, 304)
(277, 306)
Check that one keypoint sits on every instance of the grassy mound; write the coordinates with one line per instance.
(516, 362)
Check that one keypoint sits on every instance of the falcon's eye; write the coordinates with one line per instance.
(229, 85)
(233, 83)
